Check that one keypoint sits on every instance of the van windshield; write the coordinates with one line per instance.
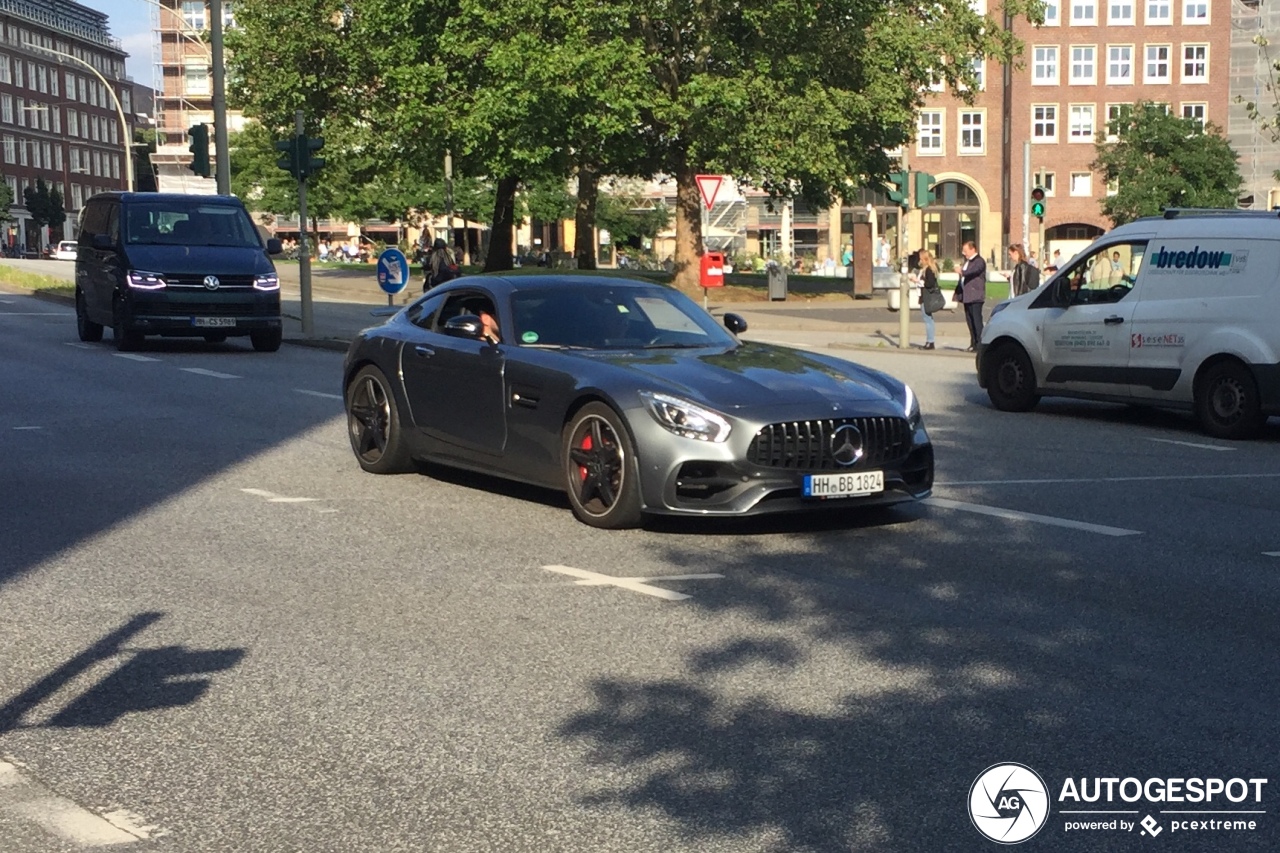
(184, 223)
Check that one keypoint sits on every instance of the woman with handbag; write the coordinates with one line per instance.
(1026, 278)
(931, 297)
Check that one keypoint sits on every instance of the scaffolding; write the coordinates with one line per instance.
(1253, 80)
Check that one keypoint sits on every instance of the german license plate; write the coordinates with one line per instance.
(214, 322)
(843, 485)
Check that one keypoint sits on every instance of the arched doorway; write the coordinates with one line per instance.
(952, 220)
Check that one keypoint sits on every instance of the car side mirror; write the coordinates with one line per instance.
(274, 246)
(735, 323)
(102, 241)
(464, 326)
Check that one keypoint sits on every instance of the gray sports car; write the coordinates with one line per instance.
(630, 398)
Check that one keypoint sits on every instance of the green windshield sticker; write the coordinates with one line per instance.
(529, 337)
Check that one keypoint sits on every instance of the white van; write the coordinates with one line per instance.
(1181, 311)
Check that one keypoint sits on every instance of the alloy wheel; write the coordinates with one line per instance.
(601, 465)
(370, 419)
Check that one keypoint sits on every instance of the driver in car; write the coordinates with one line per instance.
(489, 325)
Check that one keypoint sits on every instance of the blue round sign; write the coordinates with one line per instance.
(393, 271)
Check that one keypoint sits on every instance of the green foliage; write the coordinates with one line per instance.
(44, 205)
(6, 201)
(1161, 160)
(629, 217)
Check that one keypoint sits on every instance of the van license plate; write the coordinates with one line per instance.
(843, 485)
(214, 322)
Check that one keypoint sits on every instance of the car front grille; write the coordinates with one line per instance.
(807, 444)
(186, 281)
(207, 308)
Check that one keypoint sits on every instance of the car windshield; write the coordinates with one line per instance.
(600, 316)
(182, 223)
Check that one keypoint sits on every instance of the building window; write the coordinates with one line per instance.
(71, 85)
(73, 126)
(77, 197)
(1081, 123)
(97, 137)
(196, 79)
(81, 95)
(84, 125)
(1195, 12)
(193, 14)
(22, 113)
(1120, 12)
(1195, 111)
(980, 74)
(1046, 182)
(1044, 66)
(228, 14)
(971, 137)
(53, 84)
(1120, 64)
(1051, 13)
(57, 119)
(22, 152)
(1159, 12)
(44, 80)
(6, 74)
(1082, 183)
(1195, 63)
(1083, 67)
(126, 101)
(929, 132)
(1083, 13)
(1116, 113)
(1113, 186)
(6, 109)
(1157, 64)
(57, 162)
(1044, 123)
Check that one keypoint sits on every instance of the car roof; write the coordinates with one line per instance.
(508, 284)
(170, 198)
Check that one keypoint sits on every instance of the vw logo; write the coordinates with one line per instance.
(211, 282)
(846, 445)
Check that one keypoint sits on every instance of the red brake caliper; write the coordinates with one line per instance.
(586, 445)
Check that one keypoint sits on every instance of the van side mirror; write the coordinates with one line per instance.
(274, 246)
(102, 241)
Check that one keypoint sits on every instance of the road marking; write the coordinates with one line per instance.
(640, 585)
(29, 800)
(1072, 480)
(1191, 444)
(1271, 553)
(318, 394)
(1015, 515)
(200, 371)
(33, 314)
(134, 356)
(272, 497)
(78, 346)
(29, 427)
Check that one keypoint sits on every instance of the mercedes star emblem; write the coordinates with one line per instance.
(846, 445)
(211, 282)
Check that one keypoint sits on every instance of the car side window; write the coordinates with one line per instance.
(1107, 275)
(465, 302)
(113, 224)
(423, 313)
(95, 222)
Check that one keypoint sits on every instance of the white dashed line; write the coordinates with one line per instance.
(134, 356)
(200, 371)
(1070, 480)
(639, 585)
(1015, 515)
(1271, 553)
(1191, 444)
(31, 801)
(318, 394)
(276, 499)
(77, 346)
(29, 427)
(32, 314)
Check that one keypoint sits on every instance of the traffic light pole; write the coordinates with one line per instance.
(1044, 254)
(222, 163)
(904, 286)
(304, 253)
(1026, 195)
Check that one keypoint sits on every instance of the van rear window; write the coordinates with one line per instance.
(187, 224)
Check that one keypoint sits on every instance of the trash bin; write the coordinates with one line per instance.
(777, 274)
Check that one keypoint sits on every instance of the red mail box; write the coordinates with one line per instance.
(712, 273)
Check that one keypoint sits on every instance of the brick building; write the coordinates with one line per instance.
(58, 120)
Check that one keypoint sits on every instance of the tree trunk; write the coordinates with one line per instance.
(501, 234)
(688, 226)
(584, 241)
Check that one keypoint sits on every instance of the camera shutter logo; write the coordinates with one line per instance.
(846, 445)
(1008, 803)
(211, 282)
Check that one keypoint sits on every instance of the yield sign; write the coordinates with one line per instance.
(709, 186)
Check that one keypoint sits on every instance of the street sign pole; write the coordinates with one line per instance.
(222, 165)
(708, 188)
(304, 254)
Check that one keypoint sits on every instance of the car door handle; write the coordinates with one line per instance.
(425, 352)
(1113, 321)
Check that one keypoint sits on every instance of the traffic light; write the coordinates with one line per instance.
(1037, 202)
(299, 159)
(925, 196)
(901, 194)
(199, 148)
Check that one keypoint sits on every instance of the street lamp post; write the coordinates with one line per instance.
(124, 124)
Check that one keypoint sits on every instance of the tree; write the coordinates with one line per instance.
(6, 201)
(1160, 160)
(39, 204)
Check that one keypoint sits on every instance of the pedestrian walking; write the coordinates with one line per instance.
(1026, 277)
(931, 296)
(440, 266)
(972, 291)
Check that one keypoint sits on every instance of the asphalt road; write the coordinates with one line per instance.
(221, 635)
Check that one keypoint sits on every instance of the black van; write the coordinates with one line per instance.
(170, 264)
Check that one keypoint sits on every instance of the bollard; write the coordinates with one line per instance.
(904, 308)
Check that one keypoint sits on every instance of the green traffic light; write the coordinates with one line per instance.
(1037, 209)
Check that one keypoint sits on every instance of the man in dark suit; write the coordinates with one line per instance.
(973, 291)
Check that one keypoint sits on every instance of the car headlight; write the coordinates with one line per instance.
(911, 406)
(140, 280)
(1000, 306)
(686, 419)
(269, 281)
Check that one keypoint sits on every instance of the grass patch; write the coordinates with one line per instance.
(35, 281)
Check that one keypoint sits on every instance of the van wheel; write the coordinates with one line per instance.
(126, 339)
(89, 331)
(267, 340)
(602, 477)
(1227, 402)
(1011, 381)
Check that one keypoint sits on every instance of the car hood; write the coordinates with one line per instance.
(756, 376)
(199, 260)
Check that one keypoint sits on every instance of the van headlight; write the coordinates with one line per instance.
(911, 407)
(685, 418)
(140, 280)
(268, 281)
